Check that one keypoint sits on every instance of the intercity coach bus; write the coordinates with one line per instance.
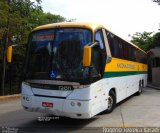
(78, 70)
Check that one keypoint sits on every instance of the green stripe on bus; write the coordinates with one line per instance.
(119, 74)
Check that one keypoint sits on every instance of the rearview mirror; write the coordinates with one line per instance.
(87, 54)
(9, 54)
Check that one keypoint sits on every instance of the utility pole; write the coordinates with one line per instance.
(5, 43)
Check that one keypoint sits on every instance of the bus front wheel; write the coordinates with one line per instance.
(111, 102)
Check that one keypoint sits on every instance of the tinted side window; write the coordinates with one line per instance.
(140, 56)
(123, 50)
(114, 44)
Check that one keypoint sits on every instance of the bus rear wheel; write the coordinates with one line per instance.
(111, 102)
(140, 88)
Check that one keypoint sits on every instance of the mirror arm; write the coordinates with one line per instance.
(109, 58)
(93, 44)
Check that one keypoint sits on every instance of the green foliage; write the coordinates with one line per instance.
(4, 16)
(40, 18)
(157, 1)
(156, 40)
(142, 40)
(15, 15)
(146, 40)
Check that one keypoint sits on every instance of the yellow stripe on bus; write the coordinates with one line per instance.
(120, 65)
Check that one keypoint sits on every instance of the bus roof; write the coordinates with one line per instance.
(89, 25)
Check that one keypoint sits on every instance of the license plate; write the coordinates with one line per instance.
(47, 104)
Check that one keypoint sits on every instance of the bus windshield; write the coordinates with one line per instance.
(57, 54)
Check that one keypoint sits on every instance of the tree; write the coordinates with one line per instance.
(157, 1)
(142, 40)
(14, 20)
(13, 13)
(146, 40)
(155, 40)
(40, 18)
(17, 11)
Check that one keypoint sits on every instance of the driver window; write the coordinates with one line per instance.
(99, 37)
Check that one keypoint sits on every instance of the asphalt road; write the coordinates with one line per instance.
(136, 111)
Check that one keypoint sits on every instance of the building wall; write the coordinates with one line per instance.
(156, 76)
(156, 51)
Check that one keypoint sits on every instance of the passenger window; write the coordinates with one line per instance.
(114, 44)
(99, 37)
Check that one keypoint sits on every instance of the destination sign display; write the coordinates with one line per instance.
(43, 37)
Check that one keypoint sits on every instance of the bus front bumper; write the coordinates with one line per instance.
(60, 107)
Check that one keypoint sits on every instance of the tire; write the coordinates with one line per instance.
(111, 102)
(140, 89)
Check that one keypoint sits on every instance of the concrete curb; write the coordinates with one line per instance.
(152, 86)
(16, 96)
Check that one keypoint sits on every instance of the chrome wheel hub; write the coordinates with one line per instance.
(110, 102)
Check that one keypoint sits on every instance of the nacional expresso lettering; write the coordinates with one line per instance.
(121, 65)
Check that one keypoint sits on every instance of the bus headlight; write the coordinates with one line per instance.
(79, 104)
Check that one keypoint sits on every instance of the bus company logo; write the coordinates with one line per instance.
(121, 65)
(65, 88)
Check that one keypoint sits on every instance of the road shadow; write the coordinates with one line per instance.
(38, 122)
(55, 124)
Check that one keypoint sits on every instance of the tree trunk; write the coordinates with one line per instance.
(4, 62)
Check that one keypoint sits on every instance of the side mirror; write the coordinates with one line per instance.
(9, 54)
(87, 54)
